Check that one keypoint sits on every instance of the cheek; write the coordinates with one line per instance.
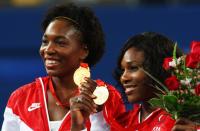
(142, 82)
(145, 89)
(139, 77)
(142, 90)
(70, 57)
(41, 52)
(77, 54)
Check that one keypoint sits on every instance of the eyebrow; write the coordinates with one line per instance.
(57, 37)
(132, 61)
(135, 63)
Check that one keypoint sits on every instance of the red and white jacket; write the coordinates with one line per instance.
(158, 120)
(26, 109)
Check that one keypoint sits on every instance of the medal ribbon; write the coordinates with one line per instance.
(84, 65)
(100, 83)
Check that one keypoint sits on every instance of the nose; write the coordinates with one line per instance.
(125, 77)
(50, 48)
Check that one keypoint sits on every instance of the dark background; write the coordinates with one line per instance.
(20, 38)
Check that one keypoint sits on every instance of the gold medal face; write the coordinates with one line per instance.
(79, 75)
(101, 92)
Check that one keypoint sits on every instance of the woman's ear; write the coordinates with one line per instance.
(84, 53)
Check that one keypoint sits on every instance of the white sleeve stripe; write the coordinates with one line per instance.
(44, 98)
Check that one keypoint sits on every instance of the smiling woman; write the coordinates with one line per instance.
(71, 35)
(60, 47)
(139, 63)
(143, 53)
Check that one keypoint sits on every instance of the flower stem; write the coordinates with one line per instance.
(155, 79)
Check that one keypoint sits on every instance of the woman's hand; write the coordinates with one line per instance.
(183, 124)
(82, 106)
(88, 88)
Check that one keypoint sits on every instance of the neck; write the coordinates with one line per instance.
(146, 110)
(64, 87)
(63, 83)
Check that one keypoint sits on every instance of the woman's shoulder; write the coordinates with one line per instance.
(29, 86)
(26, 90)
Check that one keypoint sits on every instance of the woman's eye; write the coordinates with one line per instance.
(60, 43)
(134, 68)
(121, 71)
(44, 42)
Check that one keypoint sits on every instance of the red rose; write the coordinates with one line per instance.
(195, 47)
(197, 90)
(192, 60)
(172, 83)
(166, 63)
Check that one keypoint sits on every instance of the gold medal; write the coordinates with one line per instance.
(82, 72)
(101, 93)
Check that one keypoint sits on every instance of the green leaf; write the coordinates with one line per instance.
(174, 53)
(174, 114)
(170, 102)
(195, 117)
(156, 102)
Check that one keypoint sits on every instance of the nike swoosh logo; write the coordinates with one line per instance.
(34, 106)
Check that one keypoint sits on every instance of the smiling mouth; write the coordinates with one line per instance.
(129, 90)
(51, 63)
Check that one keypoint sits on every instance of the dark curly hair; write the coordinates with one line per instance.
(156, 47)
(86, 22)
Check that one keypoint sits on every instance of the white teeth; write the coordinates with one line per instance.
(50, 62)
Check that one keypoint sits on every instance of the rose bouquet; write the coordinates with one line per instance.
(181, 95)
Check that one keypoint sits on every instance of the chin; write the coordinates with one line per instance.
(52, 73)
(132, 99)
(56, 74)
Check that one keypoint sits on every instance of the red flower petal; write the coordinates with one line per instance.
(172, 83)
(166, 63)
(197, 90)
(195, 47)
(192, 60)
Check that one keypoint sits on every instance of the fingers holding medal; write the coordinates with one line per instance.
(101, 92)
(82, 103)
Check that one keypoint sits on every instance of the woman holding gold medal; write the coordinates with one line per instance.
(72, 35)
